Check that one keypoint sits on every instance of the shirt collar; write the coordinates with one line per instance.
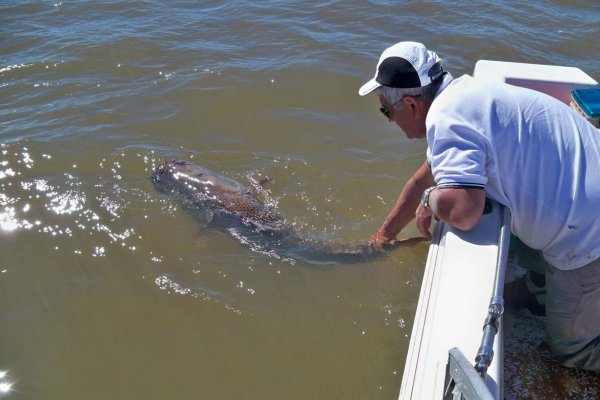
(447, 79)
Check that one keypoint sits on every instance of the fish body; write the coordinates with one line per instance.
(199, 187)
(240, 212)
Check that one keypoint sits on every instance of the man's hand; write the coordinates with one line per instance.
(381, 242)
(424, 216)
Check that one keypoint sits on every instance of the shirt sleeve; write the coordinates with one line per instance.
(457, 154)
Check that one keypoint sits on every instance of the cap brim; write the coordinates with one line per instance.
(368, 87)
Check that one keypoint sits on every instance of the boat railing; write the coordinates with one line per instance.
(467, 380)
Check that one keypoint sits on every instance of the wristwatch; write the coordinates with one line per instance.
(425, 196)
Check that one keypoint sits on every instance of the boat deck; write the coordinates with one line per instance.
(530, 369)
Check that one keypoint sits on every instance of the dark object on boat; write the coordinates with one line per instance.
(587, 103)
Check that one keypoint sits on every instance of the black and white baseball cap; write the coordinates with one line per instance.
(405, 65)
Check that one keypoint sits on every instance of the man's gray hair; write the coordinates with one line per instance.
(425, 93)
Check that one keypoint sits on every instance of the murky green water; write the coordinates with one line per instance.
(109, 289)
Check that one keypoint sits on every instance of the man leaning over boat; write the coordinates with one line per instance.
(522, 148)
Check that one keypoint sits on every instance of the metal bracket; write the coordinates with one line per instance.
(465, 381)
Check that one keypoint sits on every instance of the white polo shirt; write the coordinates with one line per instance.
(529, 152)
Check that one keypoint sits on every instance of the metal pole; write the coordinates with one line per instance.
(490, 328)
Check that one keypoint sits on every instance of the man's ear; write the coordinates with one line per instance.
(412, 104)
(419, 108)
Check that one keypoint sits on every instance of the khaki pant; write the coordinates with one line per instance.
(573, 315)
(572, 308)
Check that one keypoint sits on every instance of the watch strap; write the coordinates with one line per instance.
(425, 196)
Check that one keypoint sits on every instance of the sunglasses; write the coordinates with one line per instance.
(387, 113)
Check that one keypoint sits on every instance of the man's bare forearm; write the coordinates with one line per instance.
(404, 209)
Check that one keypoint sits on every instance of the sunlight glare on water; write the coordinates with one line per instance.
(5, 387)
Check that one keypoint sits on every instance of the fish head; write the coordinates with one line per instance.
(191, 180)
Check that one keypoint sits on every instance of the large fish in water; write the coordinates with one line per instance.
(226, 204)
